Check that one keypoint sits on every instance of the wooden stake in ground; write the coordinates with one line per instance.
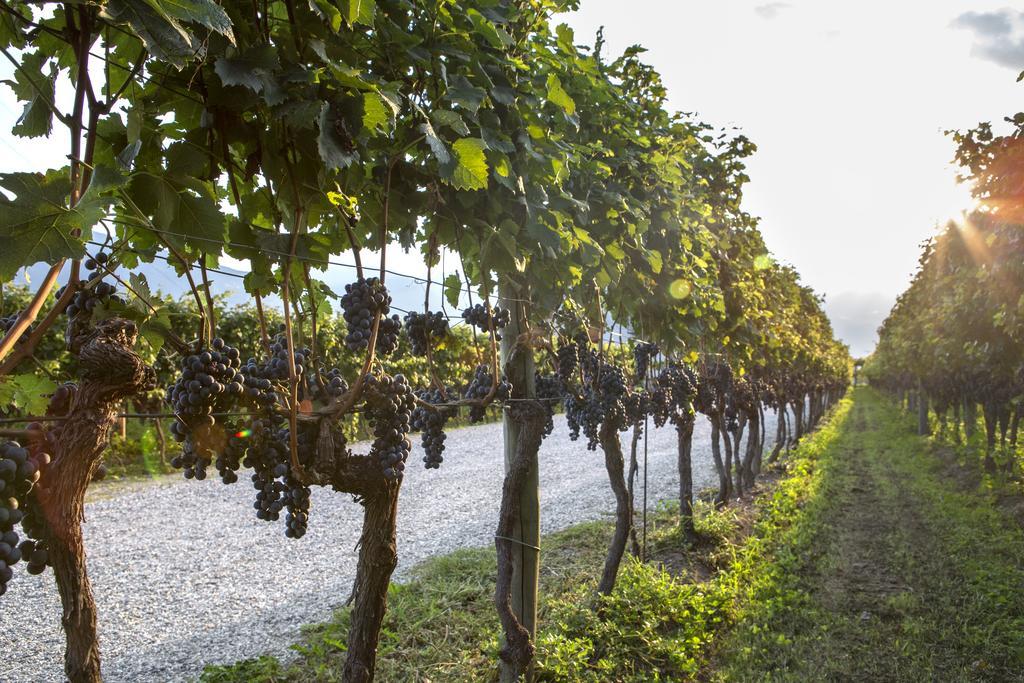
(518, 537)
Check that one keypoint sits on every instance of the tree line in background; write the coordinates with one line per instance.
(954, 341)
(283, 134)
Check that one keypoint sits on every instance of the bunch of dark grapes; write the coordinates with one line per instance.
(568, 359)
(327, 385)
(7, 322)
(480, 387)
(549, 393)
(479, 317)
(61, 399)
(681, 382)
(643, 353)
(638, 406)
(589, 359)
(210, 381)
(612, 391)
(425, 330)
(20, 470)
(390, 402)
(583, 413)
(605, 398)
(362, 301)
(277, 490)
(85, 300)
(431, 423)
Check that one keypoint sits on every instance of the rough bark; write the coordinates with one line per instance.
(970, 418)
(378, 555)
(684, 438)
(716, 453)
(109, 372)
(614, 464)
(780, 434)
(729, 457)
(1015, 426)
(761, 440)
(989, 413)
(634, 468)
(923, 429)
(518, 649)
(956, 422)
(739, 482)
(753, 448)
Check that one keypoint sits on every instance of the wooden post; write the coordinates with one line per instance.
(519, 368)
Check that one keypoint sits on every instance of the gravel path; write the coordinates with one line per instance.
(185, 574)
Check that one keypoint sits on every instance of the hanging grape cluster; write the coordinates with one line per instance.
(480, 387)
(210, 382)
(549, 393)
(425, 330)
(603, 399)
(327, 385)
(276, 487)
(101, 292)
(493, 320)
(568, 357)
(643, 354)
(431, 422)
(7, 322)
(20, 470)
(390, 402)
(362, 301)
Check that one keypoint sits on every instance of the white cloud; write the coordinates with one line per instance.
(998, 36)
(771, 10)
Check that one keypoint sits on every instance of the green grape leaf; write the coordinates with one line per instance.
(377, 112)
(26, 393)
(335, 143)
(249, 69)
(164, 37)
(557, 95)
(327, 10)
(437, 145)
(453, 289)
(33, 86)
(206, 13)
(448, 118)
(37, 225)
(465, 94)
(470, 169)
(358, 11)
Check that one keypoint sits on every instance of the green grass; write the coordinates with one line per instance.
(892, 571)
(864, 561)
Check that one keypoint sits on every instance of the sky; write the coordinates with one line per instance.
(847, 103)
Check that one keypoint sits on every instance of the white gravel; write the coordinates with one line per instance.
(185, 575)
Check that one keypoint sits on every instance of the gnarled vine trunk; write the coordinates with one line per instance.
(528, 419)
(378, 556)
(684, 463)
(716, 454)
(753, 448)
(634, 467)
(109, 371)
(780, 433)
(614, 464)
